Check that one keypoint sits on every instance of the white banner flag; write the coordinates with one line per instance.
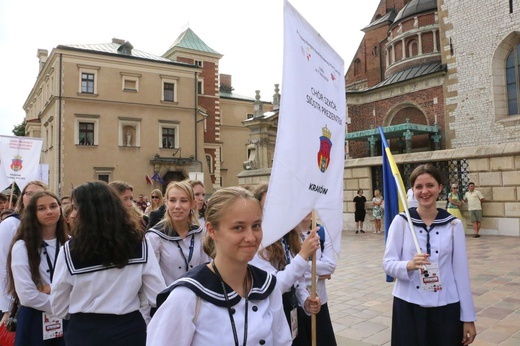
(20, 159)
(308, 163)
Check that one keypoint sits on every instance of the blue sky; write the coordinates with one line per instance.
(248, 33)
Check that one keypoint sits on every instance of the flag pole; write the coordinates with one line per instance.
(313, 285)
(11, 194)
(407, 212)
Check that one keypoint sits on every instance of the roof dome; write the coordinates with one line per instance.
(415, 7)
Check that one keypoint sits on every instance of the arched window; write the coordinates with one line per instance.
(413, 49)
(512, 80)
(357, 67)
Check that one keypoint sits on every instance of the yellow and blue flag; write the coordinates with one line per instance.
(392, 181)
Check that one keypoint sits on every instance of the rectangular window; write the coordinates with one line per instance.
(86, 133)
(200, 87)
(168, 137)
(199, 63)
(87, 83)
(104, 177)
(169, 89)
(130, 85)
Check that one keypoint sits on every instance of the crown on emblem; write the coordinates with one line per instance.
(326, 132)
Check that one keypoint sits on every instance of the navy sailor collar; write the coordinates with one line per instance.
(442, 218)
(160, 231)
(206, 284)
(77, 266)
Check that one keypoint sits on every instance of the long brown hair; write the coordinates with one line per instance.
(31, 233)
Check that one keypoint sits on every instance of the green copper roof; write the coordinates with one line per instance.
(189, 40)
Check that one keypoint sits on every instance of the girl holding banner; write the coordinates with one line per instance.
(30, 267)
(432, 296)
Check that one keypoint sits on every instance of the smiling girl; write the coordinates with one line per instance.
(31, 266)
(177, 239)
(424, 314)
(227, 301)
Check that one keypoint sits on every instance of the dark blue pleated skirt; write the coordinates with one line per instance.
(106, 329)
(29, 329)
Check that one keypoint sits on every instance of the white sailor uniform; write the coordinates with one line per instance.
(196, 312)
(103, 301)
(177, 255)
(445, 241)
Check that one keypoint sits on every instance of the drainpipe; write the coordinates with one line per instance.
(60, 124)
(196, 110)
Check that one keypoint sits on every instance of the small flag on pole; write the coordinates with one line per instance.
(158, 178)
(148, 180)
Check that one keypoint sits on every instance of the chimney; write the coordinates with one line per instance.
(225, 83)
(42, 55)
(118, 41)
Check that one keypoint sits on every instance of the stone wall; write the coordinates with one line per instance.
(494, 169)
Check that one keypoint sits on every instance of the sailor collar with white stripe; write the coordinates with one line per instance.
(76, 266)
(207, 285)
(160, 231)
(442, 218)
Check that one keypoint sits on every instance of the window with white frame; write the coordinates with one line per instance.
(86, 130)
(129, 132)
(199, 63)
(200, 87)
(209, 161)
(88, 80)
(169, 135)
(130, 82)
(103, 173)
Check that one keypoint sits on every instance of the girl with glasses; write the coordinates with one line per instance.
(156, 200)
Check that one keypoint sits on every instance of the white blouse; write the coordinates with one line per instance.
(203, 319)
(98, 289)
(448, 249)
(173, 252)
(7, 231)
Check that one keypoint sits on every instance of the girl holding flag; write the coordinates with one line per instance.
(432, 296)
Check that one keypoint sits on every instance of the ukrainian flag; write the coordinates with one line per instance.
(392, 183)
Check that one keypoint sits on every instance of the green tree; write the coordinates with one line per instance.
(19, 130)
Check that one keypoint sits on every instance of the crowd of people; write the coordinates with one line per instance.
(97, 267)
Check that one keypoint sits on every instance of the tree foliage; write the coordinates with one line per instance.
(19, 130)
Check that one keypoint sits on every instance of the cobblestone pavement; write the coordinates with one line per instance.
(360, 300)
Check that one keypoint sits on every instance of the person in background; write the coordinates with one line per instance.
(360, 211)
(5, 213)
(412, 201)
(3, 201)
(177, 240)
(432, 304)
(454, 203)
(30, 268)
(157, 199)
(141, 203)
(199, 192)
(69, 219)
(227, 301)
(101, 271)
(12, 201)
(7, 231)
(288, 260)
(126, 195)
(474, 198)
(325, 267)
(65, 200)
(377, 210)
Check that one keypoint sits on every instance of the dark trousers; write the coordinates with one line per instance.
(324, 331)
(419, 326)
(106, 329)
(29, 329)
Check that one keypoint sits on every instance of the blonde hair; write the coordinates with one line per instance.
(216, 209)
(185, 187)
(161, 199)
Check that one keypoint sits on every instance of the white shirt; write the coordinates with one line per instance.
(8, 229)
(325, 265)
(108, 291)
(25, 288)
(292, 275)
(448, 249)
(172, 259)
(179, 321)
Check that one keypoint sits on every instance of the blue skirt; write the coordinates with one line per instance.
(106, 329)
(29, 329)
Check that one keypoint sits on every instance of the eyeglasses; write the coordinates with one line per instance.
(155, 197)
(29, 193)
